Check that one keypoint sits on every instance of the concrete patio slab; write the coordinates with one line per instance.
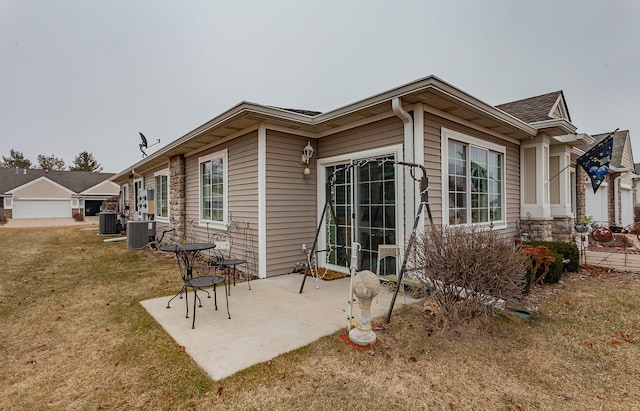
(270, 319)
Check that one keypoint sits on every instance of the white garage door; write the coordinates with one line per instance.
(596, 205)
(41, 208)
(627, 206)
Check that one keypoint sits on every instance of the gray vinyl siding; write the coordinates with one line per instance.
(242, 189)
(432, 158)
(290, 202)
(387, 132)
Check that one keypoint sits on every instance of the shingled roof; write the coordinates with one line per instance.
(533, 109)
(309, 113)
(76, 181)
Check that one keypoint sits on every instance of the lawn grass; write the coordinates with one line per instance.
(74, 336)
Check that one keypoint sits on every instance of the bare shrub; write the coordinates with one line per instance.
(78, 217)
(468, 271)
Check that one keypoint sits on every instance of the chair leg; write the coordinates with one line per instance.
(184, 287)
(195, 296)
(186, 302)
(227, 298)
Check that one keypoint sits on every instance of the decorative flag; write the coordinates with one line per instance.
(596, 161)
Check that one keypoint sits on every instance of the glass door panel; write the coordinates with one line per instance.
(374, 187)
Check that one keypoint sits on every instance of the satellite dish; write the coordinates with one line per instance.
(144, 141)
(144, 144)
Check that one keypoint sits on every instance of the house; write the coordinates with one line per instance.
(37, 193)
(636, 197)
(248, 171)
(613, 202)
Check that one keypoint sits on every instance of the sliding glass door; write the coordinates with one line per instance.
(364, 198)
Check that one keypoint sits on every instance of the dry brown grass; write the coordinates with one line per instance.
(75, 337)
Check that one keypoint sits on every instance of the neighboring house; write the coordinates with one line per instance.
(613, 203)
(242, 172)
(36, 193)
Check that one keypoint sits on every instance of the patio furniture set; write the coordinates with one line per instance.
(200, 272)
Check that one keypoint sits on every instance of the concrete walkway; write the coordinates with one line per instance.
(618, 261)
(270, 319)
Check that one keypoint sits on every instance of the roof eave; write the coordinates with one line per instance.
(430, 82)
(560, 123)
(423, 84)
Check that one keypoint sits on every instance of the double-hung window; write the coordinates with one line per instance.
(213, 187)
(162, 194)
(473, 180)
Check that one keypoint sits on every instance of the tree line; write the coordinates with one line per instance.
(84, 161)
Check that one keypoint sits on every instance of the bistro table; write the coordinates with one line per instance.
(187, 254)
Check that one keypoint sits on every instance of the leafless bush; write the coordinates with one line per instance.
(468, 272)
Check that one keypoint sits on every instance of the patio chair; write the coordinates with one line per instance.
(187, 265)
(224, 260)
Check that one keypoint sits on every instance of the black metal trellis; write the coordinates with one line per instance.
(424, 202)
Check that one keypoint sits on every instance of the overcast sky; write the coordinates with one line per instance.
(89, 75)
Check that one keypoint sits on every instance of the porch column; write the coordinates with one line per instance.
(177, 196)
(535, 206)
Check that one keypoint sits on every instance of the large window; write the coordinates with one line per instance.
(213, 187)
(474, 184)
(162, 194)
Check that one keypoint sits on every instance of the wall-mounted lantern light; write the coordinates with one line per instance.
(307, 153)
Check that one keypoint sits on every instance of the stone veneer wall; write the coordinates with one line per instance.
(563, 229)
(538, 228)
(611, 200)
(177, 190)
(581, 196)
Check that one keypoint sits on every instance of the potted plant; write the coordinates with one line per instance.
(582, 226)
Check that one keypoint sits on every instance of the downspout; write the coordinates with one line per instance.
(409, 184)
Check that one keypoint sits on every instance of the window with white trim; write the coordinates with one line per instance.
(213, 187)
(474, 188)
(162, 194)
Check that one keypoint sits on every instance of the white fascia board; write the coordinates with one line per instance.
(558, 122)
(424, 84)
(239, 109)
(37, 180)
(269, 111)
(567, 138)
(563, 109)
(575, 150)
(586, 138)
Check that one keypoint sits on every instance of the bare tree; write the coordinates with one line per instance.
(86, 162)
(15, 159)
(50, 162)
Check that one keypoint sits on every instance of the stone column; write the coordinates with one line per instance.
(177, 195)
(366, 286)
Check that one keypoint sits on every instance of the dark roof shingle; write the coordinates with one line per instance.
(532, 109)
(76, 181)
